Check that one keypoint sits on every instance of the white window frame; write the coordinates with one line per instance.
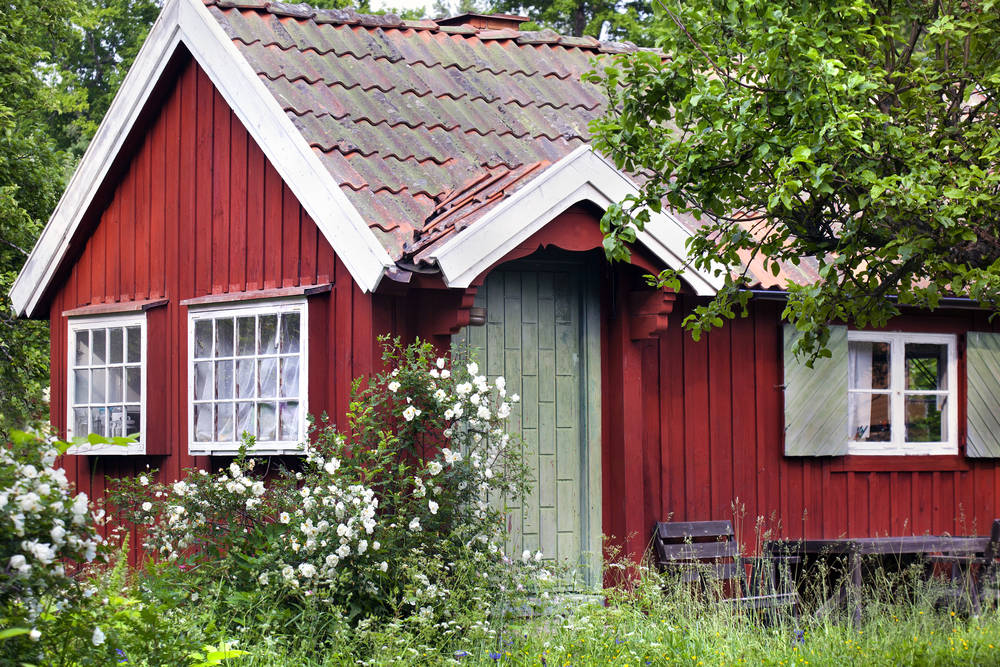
(254, 307)
(897, 371)
(87, 323)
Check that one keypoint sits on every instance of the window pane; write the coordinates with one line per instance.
(133, 384)
(244, 419)
(268, 378)
(132, 419)
(81, 423)
(244, 378)
(926, 367)
(202, 339)
(924, 422)
(82, 348)
(224, 379)
(224, 422)
(81, 387)
(289, 377)
(289, 421)
(868, 365)
(134, 345)
(98, 378)
(203, 380)
(289, 333)
(266, 419)
(203, 423)
(117, 420)
(116, 387)
(224, 338)
(268, 335)
(98, 421)
(99, 350)
(868, 417)
(117, 345)
(246, 331)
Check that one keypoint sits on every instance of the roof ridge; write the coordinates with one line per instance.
(350, 16)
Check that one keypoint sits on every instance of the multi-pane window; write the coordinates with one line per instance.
(248, 375)
(106, 377)
(901, 393)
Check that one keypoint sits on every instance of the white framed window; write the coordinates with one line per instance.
(247, 372)
(902, 396)
(106, 384)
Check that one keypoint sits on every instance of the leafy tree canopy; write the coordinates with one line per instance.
(607, 19)
(859, 135)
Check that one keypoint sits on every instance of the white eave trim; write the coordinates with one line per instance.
(581, 175)
(189, 22)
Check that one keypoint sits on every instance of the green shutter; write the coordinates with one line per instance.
(816, 399)
(982, 354)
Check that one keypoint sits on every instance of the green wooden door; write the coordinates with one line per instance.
(542, 334)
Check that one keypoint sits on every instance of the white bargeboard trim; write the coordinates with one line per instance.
(190, 23)
(581, 175)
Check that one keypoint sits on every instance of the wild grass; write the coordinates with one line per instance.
(656, 621)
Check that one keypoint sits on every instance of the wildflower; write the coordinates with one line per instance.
(284, 517)
(410, 412)
(393, 386)
(432, 506)
(98, 637)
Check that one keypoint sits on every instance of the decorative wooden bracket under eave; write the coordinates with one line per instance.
(449, 311)
(649, 312)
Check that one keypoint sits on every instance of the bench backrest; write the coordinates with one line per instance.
(708, 545)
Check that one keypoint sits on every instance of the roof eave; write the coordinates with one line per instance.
(583, 175)
(190, 23)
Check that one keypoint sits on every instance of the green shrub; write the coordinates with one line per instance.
(398, 517)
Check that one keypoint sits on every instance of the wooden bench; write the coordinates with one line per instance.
(706, 553)
(975, 578)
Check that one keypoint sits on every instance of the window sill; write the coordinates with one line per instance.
(896, 463)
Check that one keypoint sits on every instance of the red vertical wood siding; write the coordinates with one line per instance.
(200, 210)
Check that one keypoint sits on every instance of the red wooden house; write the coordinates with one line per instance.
(274, 186)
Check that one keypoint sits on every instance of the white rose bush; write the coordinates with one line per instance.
(398, 516)
(47, 534)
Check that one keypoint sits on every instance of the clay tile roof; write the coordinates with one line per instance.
(407, 114)
(425, 127)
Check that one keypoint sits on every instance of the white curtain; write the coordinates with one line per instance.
(860, 405)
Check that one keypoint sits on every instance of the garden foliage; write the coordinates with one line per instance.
(400, 515)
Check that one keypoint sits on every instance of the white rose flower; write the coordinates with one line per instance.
(463, 389)
(501, 383)
(307, 570)
(58, 533)
(483, 412)
(143, 480)
(514, 398)
(344, 550)
(332, 466)
(415, 524)
(98, 637)
(34, 635)
(19, 563)
(449, 414)
(504, 410)
(146, 506)
(526, 555)
(432, 506)
(284, 517)
(180, 488)
(384, 566)
(472, 367)
(434, 468)
(538, 556)
(262, 579)
(410, 413)
(376, 546)
(440, 362)
(445, 374)
(393, 386)
(439, 395)
(362, 546)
